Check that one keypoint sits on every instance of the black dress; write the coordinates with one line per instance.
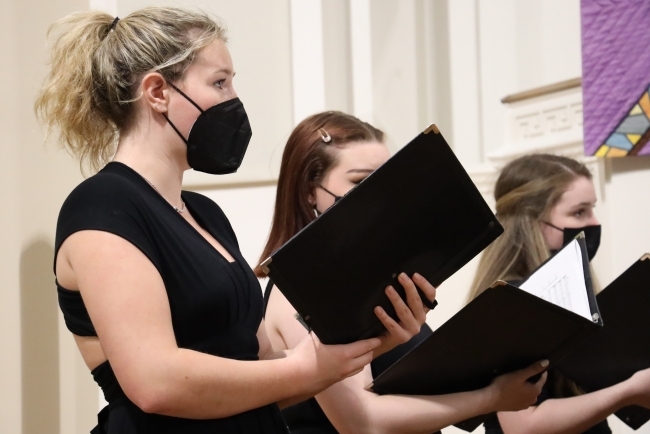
(307, 417)
(216, 306)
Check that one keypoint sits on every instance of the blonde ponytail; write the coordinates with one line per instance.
(95, 69)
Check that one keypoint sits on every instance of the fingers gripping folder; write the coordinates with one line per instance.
(419, 212)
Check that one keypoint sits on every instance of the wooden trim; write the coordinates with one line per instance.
(228, 186)
(543, 90)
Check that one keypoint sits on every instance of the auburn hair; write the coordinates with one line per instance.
(309, 155)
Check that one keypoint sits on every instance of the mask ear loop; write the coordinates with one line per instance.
(552, 225)
(175, 129)
(336, 198)
(192, 102)
(186, 97)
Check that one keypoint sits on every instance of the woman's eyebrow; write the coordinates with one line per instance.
(360, 171)
(581, 204)
(228, 71)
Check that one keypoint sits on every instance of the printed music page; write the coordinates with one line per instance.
(561, 281)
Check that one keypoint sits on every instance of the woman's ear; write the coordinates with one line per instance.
(311, 198)
(155, 92)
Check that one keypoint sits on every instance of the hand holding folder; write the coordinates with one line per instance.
(411, 312)
(419, 212)
(504, 329)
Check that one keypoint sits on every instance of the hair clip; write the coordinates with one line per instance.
(325, 135)
(113, 24)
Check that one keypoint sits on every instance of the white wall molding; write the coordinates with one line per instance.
(466, 106)
(307, 54)
(361, 50)
(483, 176)
(549, 123)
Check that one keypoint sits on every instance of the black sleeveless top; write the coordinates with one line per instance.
(216, 306)
(307, 417)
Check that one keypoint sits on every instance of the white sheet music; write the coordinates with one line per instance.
(561, 281)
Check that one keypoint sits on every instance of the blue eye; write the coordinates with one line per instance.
(219, 83)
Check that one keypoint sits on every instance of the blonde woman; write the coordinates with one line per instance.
(164, 309)
(543, 201)
(326, 155)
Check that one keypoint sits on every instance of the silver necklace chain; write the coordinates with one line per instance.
(177, 209)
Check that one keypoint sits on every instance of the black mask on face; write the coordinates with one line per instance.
(592, 237)
(336, 198)
(219, 137)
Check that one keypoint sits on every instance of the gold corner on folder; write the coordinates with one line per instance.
(499, 283)
(265, 265)
(645, 257)
(433, 128)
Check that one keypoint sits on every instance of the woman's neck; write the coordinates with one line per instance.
(162, 166)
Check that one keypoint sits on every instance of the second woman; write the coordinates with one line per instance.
(326, 155)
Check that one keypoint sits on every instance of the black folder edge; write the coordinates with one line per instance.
(561, 351)
(311, 323)
(471, 424)
(306, 320)
(634, 416)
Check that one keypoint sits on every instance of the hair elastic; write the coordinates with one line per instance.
(113, 24)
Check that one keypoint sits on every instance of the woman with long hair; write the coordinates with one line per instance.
(326, 155)
(542, 201)
(164, 309)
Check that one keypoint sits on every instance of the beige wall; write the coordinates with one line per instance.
(443, 61)
(42, 383)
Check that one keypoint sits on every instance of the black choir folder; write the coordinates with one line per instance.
(505, 328)
(418, 212)
(623, 346)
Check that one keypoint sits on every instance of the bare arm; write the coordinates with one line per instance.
(351, 409)
(579, 413)
(267, 353)
(128, 305)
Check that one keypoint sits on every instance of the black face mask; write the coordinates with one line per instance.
(336, 198)
(219, 137)
(592, 237)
